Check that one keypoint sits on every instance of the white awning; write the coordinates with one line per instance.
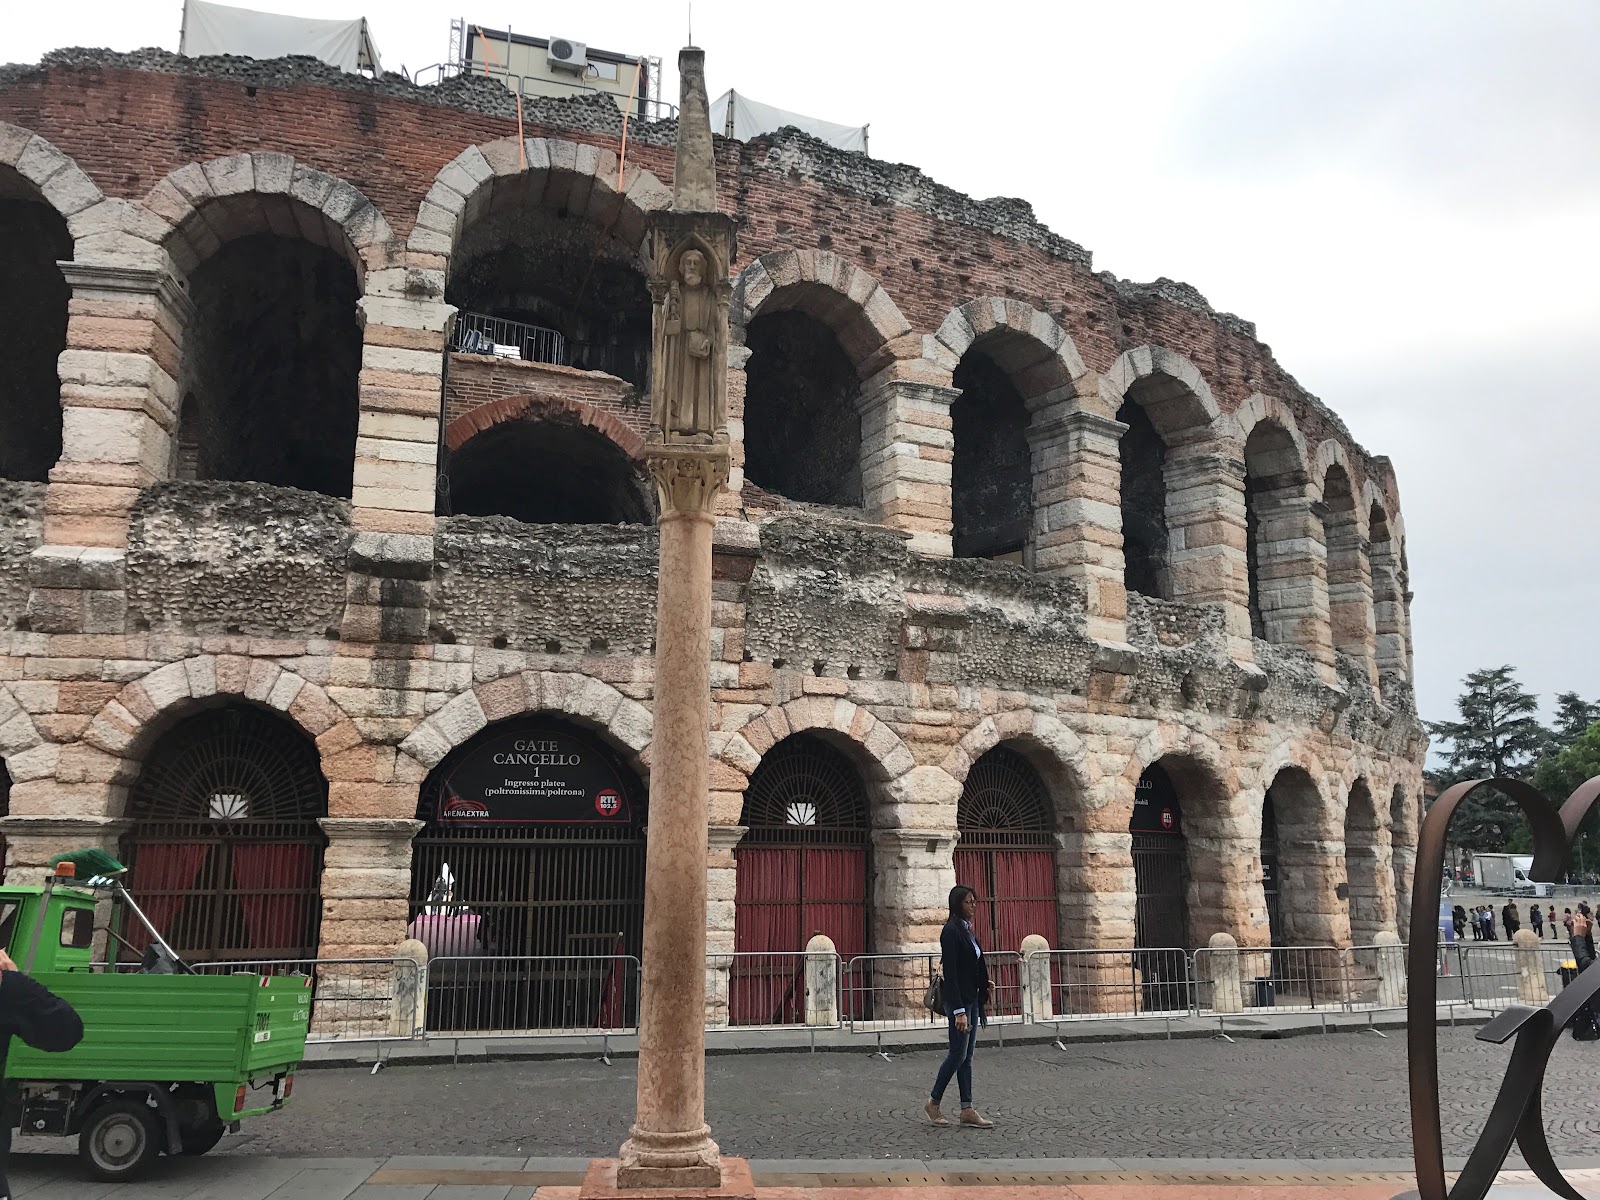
(751, 119)
(218, 29)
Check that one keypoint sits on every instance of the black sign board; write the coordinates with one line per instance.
(1155, 805)
(533, 776)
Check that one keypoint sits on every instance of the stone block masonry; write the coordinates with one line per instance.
(140, 586)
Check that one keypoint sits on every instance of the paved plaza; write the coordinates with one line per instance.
(1340, 1096)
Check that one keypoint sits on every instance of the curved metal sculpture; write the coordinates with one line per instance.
(1516, 1116)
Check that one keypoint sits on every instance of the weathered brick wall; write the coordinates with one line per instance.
(474, 380)
(932, 248)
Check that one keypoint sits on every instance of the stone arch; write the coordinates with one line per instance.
(28, 757)
(200, 207)
(546, 459)
(499, 175)
(1349, 566)
(1332, 453)
(1369, 870)
(876, 749)
(1309, 807)
(591, 703)
(53, 174)
(844, 297)
(1259, 409)
(120, 735)
(1169, 388)
(42, 194)
(1054, 750)
(1217, 857)
(1028, 345)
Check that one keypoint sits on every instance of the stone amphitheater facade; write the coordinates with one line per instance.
(984, 498)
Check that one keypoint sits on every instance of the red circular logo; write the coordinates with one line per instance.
(607, 803)
(1167, 819)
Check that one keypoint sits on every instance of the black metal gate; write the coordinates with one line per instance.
(225, 853)
(533, 916)
(1161, 891)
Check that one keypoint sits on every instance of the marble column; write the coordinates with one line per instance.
(687, 451)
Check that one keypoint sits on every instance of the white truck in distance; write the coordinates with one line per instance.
(1507, 873)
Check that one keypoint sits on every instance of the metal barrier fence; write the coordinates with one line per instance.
(533, 996)
(882, 993)
(1496, 975)
(477, 333)
(772, 990)
(352, 999)
(1068, 986)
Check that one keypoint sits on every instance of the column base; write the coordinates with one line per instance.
(729, 1179)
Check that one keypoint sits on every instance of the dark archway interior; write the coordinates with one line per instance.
(991, 476)
(33, 331)
(1271, 470)
(802, 433)
(1144, 505)
(546, 472)
(558, 271)
(272, 360)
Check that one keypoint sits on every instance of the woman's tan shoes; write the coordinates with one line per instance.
(934, 1114)
(972, 1117)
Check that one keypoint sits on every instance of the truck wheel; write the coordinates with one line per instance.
(119, 1139)
(197, 1139)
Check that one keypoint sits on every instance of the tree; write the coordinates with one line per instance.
(1498, 733)
(1558, 775)
(1574, 716)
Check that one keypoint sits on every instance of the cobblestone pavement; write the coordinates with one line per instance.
(1341, 1096)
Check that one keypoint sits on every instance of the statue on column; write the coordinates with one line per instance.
(690, 332)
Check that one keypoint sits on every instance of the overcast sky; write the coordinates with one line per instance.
(1405, 197)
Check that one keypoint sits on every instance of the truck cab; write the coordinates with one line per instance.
(168, 1062)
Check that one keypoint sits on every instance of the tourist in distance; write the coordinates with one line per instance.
(1536, 919)
(965, 994)
(1567, 921)
(1510, 918)
(1552, 922)
(1458, 918)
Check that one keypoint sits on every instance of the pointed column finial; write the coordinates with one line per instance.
(694, 171)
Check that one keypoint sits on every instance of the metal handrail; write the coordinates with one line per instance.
(479, 333)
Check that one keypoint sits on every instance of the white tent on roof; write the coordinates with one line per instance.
(218, 29)
(737, 116)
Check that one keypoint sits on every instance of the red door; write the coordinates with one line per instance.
(1016, 897)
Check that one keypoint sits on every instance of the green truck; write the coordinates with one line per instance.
(168, 1061)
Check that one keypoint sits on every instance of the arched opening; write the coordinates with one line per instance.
(1370, 898)
(33, 329)
(802, 431)
(271, 361)
(1273, 478)
(550, 471)
(1144, 504)
(552, 285)
(991, 475)
(527, 880)
(1388, 593)
(1006, 851)
(224, 850)
(802, 869)
(1161, 891)
(1300, 875)
(1349, 582)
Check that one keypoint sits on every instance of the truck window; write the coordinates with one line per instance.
(8, 922)
(77, 927)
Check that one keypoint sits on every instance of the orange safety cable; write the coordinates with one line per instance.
(622, 159)
(522, 149)
(622, 163)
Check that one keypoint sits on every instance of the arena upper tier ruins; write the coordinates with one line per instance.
(321, 420)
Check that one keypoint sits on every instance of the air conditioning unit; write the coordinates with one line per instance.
(563, 54)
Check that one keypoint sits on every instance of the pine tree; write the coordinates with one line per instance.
(1574, 715)
(1498, 733)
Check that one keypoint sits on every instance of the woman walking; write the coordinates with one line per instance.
(965, 992)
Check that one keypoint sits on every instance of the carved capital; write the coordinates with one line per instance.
(688, 478)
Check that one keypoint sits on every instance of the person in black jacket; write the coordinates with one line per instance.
(965, 992)
(38, 1016)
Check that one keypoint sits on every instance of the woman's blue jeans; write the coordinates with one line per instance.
(959, 1061)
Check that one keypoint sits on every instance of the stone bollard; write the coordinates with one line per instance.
(1531, 987)
(1036, 978)
(1227, 992)
(1391, 969)
(409, 1015)
(822, 981)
